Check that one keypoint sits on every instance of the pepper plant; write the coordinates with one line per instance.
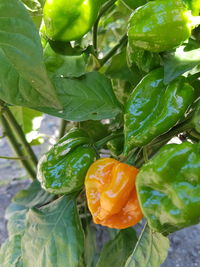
(123, 78)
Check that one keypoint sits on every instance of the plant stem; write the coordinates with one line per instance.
(62, 129)
(13, 158)
(182, 127)
(19, 133)
(121, 42)
(104, 9)
(155, 146)
(17, 147)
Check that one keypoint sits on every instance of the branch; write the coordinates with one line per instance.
(19, 133)
(122, 42)
(17, 147)
(104, 9)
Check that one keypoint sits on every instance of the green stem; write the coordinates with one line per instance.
(182, 127)
(104, 9)
(13, 158)
(17, 147)
(62, 129)
(155, 146)
(121, 43)
(145, 154)
(19, 133)
(103, 141)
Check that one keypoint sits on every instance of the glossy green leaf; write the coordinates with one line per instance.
(150, 250)
(121, 247)
(33, 196)
(180, 62)
(23, 77)
(89, 97)
(53, 236)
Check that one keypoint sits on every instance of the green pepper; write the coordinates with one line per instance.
(168, 188)
(145, 60)
(116, 145)
(95, 129)
(63, 168)
(69, 20)
(154, 108)
(160, 25)
(133, 4)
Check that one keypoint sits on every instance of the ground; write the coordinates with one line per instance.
(185, 244)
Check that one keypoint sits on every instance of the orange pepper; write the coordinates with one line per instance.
(111, 193)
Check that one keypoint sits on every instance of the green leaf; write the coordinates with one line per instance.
(16, 223)
(30, 122)
(33, 196)
(89, 97)
(10, 253)
(12, 209)
(23, 77)
(150, 251)
(121, 246)
(54, 236)
(180, 62)
(91, 253)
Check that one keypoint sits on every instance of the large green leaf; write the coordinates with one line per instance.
(91, 251)
(180, 62)
(150, 250)
(16, 223)
(23, 77)
(33, 196)
(89, 97)
(10, 252)
(121, 246)
(54, 236)
(85, 96)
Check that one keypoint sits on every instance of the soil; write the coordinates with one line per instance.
(185, 244)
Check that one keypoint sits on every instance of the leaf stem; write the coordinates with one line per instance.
(17, 147)
(13, 158)
(104, 9)
(62, 129)
(121, 43)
